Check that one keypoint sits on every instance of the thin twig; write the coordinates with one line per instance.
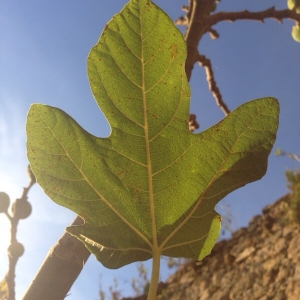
(14, 221)
(200, 21)
(213, 33)
(206, 63)
(193, 124)
(272, 13)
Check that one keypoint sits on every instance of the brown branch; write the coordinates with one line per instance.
(188, 9)
(213, 33)
(197, 15)
(181, 21)
(199, 11)
(193, 124)
(200, 21)
(206, 63)
(272, 13)
(60, 269)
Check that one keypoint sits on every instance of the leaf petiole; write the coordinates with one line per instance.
(154, 276)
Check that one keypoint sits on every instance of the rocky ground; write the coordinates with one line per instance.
(261, 262)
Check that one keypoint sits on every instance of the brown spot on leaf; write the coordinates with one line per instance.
(174, 49)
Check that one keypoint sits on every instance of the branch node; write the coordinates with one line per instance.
(193, 124)
(182, 21)
(214, 34)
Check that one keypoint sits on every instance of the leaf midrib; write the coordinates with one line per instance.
(154, 245)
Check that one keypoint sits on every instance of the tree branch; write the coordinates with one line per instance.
(199, 11)
(206, 63)
(198, 16)
(272, 13)
(60, 269)
(200, 21)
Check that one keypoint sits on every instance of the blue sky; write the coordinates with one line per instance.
(43, 52)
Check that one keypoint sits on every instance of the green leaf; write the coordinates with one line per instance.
(151, 186)
(296, 33)
(294, 5)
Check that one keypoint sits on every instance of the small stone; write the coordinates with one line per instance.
(280, 295)
(247, 252)
(283, 274)
(258, 291)
(294, 249)
(280, 245)
(297, 272)
(293, 290)
(287, 230)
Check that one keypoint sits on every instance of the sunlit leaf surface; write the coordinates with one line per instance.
(151, 186)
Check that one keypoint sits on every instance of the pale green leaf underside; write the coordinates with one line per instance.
(152, 185)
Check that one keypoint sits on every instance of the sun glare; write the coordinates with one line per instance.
(5, 241)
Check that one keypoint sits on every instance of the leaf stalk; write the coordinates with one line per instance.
(154, 276)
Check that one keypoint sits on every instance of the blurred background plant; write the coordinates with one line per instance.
(20, 209)
(293, 178)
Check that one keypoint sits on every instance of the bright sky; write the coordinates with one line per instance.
(44, 46)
